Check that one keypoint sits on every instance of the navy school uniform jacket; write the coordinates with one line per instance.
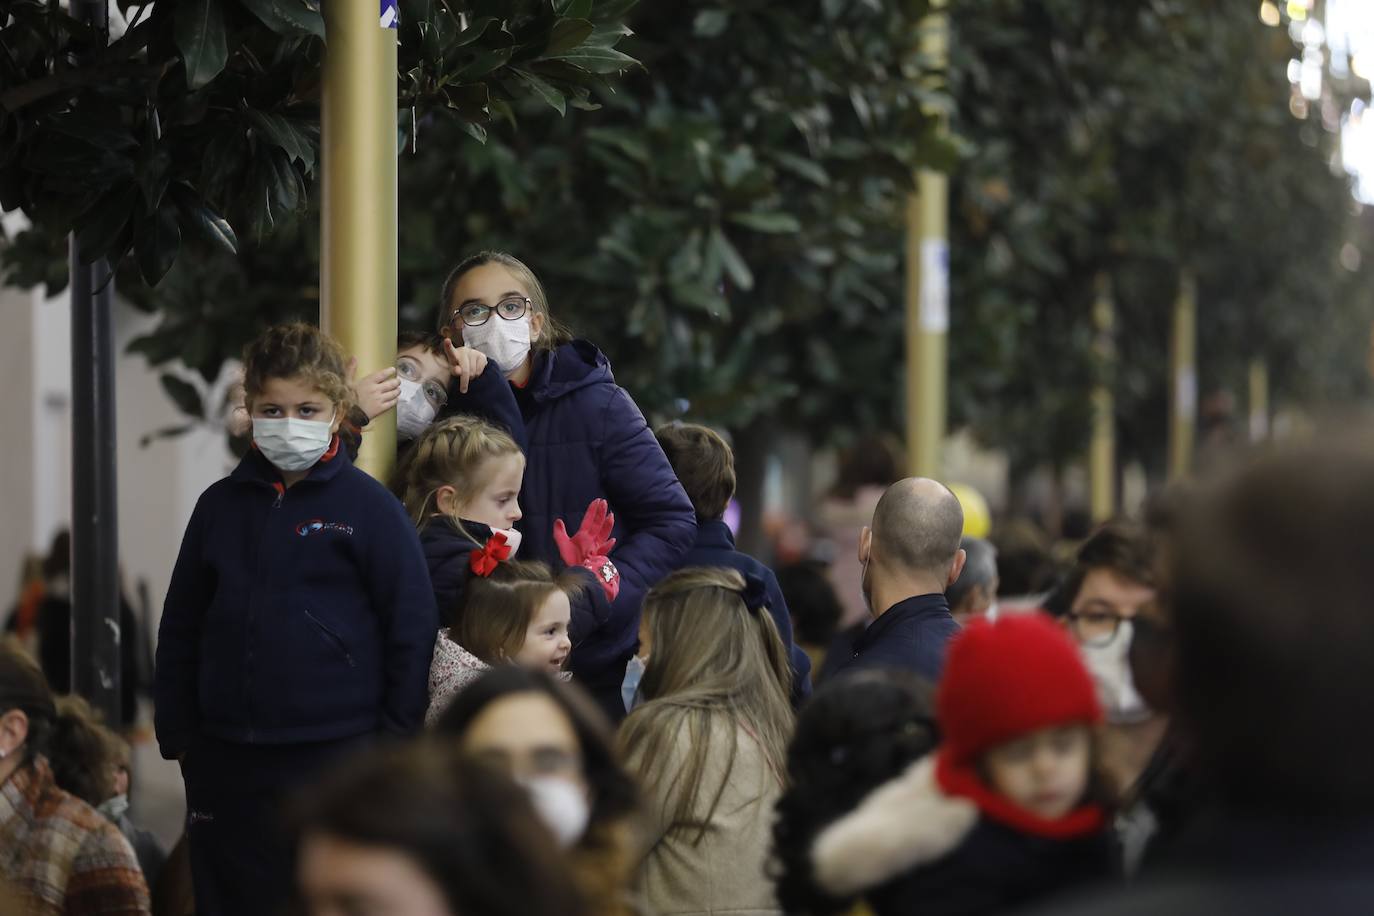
(715, 546)
(294, 615)
(448, 552)
(585, 439)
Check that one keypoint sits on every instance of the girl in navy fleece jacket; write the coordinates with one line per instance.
(584, 440)
(298, 623)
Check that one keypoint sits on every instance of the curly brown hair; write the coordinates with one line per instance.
(297, 350)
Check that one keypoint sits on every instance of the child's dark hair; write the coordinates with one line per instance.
(428, 340)
(606, 855)
(297, 350)
(449, 453)
(495, 611)
(859, 731)
(703, 463)
(811, 599)
(553, 335)
(466, 826)
(81, 751)
(1122, 547)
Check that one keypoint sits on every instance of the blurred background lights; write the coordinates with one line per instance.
(1349, 34)
(1269, 13)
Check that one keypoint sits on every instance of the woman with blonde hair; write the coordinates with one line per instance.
(709, 743)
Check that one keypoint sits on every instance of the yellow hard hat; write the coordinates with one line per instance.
(977, 516)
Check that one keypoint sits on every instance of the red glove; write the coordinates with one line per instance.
(591, 546)
(593, 538)
(606, 574)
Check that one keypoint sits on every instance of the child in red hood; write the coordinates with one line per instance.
(1001, 815)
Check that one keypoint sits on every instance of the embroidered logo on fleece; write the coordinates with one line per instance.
(315, 526)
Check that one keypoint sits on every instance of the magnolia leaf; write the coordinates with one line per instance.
(201, 40)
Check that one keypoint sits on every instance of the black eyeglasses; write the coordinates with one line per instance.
(475, 314)
(1095, 628)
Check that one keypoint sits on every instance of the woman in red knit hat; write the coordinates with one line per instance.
(1002, 814)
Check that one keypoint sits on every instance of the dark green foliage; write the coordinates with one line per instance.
(199, 126)
(1137, 139)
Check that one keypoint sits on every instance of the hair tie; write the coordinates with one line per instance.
(754, 593)
(483, 562)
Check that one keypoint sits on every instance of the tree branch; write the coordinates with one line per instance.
(14, 99)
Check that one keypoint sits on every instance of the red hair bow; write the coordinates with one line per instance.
(483, 562)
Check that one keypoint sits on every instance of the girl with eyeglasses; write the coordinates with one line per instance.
(584, 439)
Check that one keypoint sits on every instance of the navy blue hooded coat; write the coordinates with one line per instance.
(294, 615)
(585, 439)
(448, 551)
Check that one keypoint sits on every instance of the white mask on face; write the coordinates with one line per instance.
(513, 539)
(562, 806)
(292, 444)
(1110, 666)
(505, 343)
(629, 685)
(414, 412)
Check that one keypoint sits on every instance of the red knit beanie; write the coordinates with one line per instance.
(1003, 679)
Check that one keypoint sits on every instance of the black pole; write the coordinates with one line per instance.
(95, 550)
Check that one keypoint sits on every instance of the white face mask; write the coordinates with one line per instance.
(414, 412)
(1110, 666)
(629, 686)
(561, 805)
(114, 808)
(506, 343)
(513, 539)
(292, 444)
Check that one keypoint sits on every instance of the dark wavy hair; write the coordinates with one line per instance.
(468, 827)
(859, 731)
(605, 857)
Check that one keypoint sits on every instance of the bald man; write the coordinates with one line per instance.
(910, 555)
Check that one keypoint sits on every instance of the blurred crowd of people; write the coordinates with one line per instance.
(535, 675)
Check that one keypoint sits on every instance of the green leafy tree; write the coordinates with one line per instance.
(192, 140)
(201, 120)
(1136, 140)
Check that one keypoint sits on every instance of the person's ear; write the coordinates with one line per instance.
(14, 731)
(536, 324)
(446, 500)
(957, 569)
(865, 544)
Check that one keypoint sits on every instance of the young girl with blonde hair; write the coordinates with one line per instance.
(709, 743)
(461, 485)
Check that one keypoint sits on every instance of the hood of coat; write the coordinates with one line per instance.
(902, 824)
(447, 651)
(444, 543)
(572, 366)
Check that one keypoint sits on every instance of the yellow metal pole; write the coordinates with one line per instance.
(1183, 403)
(358, 216)
(1259, 400)
(1102, 451)
(927, 287)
